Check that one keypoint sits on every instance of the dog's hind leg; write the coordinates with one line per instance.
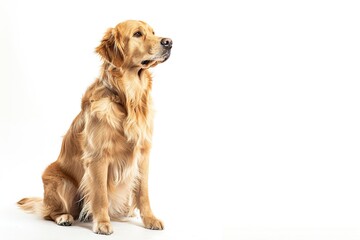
(60, 196)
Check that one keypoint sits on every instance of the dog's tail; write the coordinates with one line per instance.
(31, 205)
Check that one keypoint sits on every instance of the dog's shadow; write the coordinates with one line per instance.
(135, 221)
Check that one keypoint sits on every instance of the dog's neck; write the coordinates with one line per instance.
(132, 89)
(134, 83)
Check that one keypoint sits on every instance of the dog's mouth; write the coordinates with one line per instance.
(146, 62)
(153, 61)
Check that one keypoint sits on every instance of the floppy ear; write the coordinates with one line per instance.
(110, 49)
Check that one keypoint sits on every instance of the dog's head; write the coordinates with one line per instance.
(133, 44)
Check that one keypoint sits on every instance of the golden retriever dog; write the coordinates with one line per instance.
(102, 169)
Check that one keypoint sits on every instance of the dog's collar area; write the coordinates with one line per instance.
(109, 87)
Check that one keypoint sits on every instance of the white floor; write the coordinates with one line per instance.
(277, 233)
(15, 224)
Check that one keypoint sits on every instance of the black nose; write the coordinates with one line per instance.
(166, 42)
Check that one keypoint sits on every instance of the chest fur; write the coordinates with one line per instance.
(133, 121)
(138, 125)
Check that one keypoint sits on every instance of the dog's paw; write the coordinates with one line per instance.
(153, 223)
(103, 228)
(64, 220)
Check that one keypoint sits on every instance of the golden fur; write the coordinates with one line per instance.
(102, 170)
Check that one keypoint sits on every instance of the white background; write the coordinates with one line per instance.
(257, 130)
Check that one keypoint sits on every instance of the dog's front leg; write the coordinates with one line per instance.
(98, 197)
(142, 197)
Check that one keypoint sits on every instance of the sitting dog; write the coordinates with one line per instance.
(102, 169)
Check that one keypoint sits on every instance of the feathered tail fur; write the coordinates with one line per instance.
(31, 205)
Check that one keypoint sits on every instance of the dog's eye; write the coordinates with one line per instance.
(138, 34)
(153, 33)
